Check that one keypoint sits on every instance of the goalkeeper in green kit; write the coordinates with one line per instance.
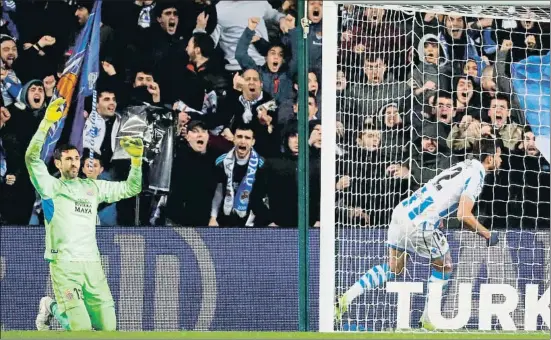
(83, 298)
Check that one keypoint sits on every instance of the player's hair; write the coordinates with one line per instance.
(63, 148)
(486, 147)
(204, 42)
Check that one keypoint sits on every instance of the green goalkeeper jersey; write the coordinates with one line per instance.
(70, 206)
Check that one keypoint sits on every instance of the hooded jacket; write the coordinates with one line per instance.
(439, 74)
(192, 186)
(281, 186)
(16, 135)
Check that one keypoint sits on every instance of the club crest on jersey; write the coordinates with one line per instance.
(68, 295)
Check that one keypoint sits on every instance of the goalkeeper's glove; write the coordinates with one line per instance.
(55, 110)
(493, 240)
(134, 147)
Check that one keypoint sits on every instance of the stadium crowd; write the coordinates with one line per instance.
(414, 93)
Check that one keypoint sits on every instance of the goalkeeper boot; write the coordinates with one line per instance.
(44, 316)
(341, 308)
(425, 323)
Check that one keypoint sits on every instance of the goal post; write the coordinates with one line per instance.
(328, 160)
(391, 121)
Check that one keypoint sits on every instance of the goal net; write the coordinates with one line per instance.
(413, 88)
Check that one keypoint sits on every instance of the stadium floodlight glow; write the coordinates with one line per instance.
(350, 242)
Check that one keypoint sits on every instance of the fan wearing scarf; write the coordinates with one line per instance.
(237, 172)
(250, 105)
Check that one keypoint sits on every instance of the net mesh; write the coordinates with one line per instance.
(416, 87)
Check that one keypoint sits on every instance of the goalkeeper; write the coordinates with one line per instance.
(415, 224)
(70, 211)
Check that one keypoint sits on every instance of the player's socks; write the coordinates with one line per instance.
(61, 318)
(436, 276)
(375, 277)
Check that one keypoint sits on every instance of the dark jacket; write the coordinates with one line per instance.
(195, 82)
(166, 54)
(314, 44)
(281, 186)
(371, 189)
(192, 187)
(16, 135)
(528, 191)
(425, 165)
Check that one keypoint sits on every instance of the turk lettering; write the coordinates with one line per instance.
(83, 207)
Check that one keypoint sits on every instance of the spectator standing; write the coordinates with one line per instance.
(255, 108)
(193, 178)
(232, 21)
(17, 135)
(281, 185)
(277, 76)
(203, 80)
(235, 198)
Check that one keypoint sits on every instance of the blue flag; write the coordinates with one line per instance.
(531, 80)
(88, 78)
(67, 83)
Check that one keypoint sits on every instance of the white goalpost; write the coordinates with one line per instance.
(407, 88)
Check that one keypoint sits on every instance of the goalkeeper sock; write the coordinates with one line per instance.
(61, 318)
(436, 276)
(375, 277)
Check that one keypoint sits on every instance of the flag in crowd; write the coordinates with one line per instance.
(531, 79)
(84, 64)
(87, 83)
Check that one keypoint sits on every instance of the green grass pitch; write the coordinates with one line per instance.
(264, 335)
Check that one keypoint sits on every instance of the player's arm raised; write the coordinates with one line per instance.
(465, 215)
(40, 177)
(115, 191)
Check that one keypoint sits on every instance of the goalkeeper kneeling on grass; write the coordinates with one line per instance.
(83, 298)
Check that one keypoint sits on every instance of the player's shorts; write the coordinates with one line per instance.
(404, 235)
(77, 283)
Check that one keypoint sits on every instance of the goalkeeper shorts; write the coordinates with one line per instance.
(404, 235)
(77, 283)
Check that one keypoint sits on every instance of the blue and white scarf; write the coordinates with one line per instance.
(240, 202)
(94, 134)
(247, 106)
(11, 91)
(3, 163)
(144, 20)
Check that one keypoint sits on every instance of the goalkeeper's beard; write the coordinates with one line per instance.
(72, 173)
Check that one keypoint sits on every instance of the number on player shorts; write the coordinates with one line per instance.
(78, 293)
